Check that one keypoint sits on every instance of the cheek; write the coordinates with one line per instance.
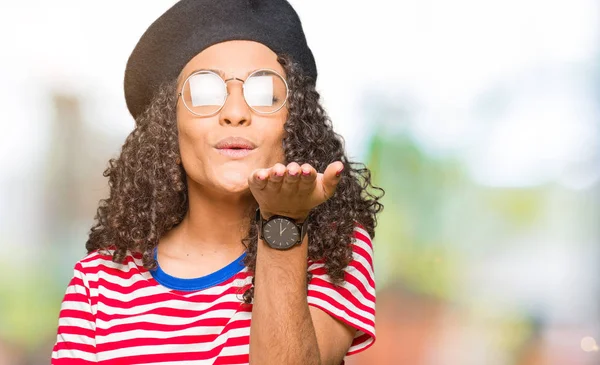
(191, 138)
(276, 145)
(184, 138)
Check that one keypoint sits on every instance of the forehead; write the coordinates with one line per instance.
(234, 59)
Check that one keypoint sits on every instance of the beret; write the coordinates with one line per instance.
(191, 26)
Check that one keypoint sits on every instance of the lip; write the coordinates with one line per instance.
(235, 143)
(235, 147)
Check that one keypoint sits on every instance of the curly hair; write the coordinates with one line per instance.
(148, 189)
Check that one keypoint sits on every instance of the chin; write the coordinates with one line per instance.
(234, 188)
(233, 182)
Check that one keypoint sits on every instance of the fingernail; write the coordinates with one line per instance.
(292, 173)
(280, 174)
(305, 173)
(260, 177)
(337, 174)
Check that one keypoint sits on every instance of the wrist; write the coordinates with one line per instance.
(299, 217)
(281, 230)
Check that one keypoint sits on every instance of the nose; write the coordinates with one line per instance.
(235, 111)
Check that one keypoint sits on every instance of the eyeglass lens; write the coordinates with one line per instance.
(204, 93)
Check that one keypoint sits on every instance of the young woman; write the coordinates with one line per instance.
(236, 230)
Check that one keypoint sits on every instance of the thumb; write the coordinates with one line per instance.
(331, 177)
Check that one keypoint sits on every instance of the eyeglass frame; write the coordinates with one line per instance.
(180, 94)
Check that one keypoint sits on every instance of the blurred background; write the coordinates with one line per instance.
(479, 118)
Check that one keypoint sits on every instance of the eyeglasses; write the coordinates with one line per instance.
(204, 92)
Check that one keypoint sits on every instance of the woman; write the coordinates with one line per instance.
(236, 230)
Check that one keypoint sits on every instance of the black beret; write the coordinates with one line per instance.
(190, 26)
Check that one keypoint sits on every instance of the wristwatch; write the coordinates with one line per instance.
(281, 232)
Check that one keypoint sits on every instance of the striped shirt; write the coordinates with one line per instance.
(124, 314)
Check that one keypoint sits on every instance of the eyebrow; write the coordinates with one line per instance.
(218, 72)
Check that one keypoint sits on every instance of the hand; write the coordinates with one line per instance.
(293, 190)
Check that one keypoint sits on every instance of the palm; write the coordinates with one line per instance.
(293, 190)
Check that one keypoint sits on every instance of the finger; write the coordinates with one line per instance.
(293, 169)
(292, 178)
(276, 174)
(258, 179)
(308, 177)
(331, 177)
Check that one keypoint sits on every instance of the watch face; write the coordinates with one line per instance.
(281, 233)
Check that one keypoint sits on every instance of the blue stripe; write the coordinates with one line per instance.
(200, 283)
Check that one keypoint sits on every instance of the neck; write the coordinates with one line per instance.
(215, 221)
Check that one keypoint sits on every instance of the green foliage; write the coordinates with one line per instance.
(434, 213)
(29, 305)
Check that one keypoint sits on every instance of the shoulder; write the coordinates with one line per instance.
(361, 245)
(362, 242)
(352, 302)
(101, 261)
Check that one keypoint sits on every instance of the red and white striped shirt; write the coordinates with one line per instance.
(124, 314)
